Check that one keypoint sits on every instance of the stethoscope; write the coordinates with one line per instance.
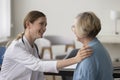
(35, 47)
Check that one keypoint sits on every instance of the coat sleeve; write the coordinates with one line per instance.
(22, 56)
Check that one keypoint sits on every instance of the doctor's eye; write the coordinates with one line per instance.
(43, 24)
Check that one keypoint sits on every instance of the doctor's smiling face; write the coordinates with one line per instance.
(38, 27)
(35, 25)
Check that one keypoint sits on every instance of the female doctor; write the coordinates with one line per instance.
(21, 61)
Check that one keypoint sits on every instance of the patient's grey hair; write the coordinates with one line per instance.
(88, 24)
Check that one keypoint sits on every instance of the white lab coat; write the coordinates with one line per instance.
(20, 63)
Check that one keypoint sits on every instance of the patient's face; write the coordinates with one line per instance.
(76, 28)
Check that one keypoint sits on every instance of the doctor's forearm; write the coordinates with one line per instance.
(66, 62)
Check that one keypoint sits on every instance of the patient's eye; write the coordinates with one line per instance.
(72, 27)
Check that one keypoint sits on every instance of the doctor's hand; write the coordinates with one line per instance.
(83, 53)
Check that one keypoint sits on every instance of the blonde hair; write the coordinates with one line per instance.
(30, 17)
(19, 36)
(88, 24)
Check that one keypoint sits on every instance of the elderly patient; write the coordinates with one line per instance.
(98, 66)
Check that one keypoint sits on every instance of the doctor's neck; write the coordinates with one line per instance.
(29, 38)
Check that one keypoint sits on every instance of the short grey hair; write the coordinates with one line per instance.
(88, 24)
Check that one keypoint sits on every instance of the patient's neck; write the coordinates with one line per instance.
(85, 40)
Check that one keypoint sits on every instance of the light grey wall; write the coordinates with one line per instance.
(60, 15)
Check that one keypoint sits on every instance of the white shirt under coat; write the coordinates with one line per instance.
(21, 62)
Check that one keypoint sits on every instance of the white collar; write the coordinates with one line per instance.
(27, 44)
